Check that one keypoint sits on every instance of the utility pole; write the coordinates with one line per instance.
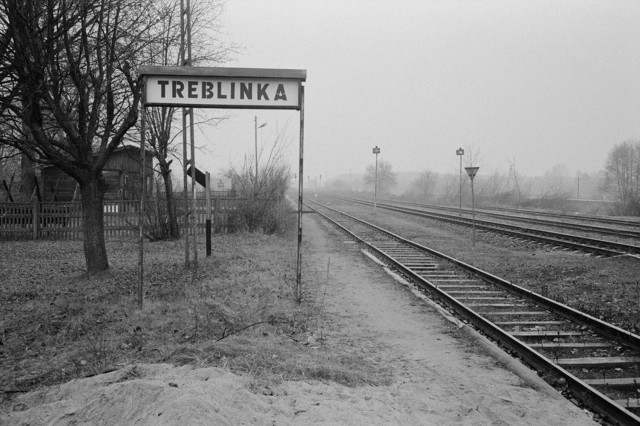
(376, 151)
(460, 153)
(471, 171)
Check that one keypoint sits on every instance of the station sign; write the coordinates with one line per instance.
(216, 87)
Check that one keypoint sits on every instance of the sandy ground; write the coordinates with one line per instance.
(441, 375)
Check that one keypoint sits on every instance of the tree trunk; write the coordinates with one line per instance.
(95, 251)
(174, 229)
(27, 176)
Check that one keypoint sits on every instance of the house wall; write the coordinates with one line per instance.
(56, 182)
(121, 173)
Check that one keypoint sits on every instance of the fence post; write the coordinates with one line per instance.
(35, 210)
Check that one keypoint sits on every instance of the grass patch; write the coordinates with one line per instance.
(237, 310)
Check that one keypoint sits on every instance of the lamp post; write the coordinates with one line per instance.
(460, 153)
(376, 151)
(471, 171)
(256, 127)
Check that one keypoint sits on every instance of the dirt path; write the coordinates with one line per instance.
(441, 377)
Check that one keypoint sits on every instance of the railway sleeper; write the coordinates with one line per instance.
(551, 346)
(503, 298)
(545, 334)
(475, 293)
(420, 266)
(462, 287)
(617, 383)
(521, 314)
(429, 275)
(599, 362)
(530, 323)
(457, 280)
(480, 306)
(633, 403)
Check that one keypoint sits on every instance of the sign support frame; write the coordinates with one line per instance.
(269, 76)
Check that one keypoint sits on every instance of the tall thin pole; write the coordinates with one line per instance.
(376, 151)
(194, 189)
(143, 119)
(193, 148)
(208, 220)
(460, 153)
(255, 126)
(375, 191)
(185, 188)
(472, 171)
(300, 194)
(473, 213)
(460, 191)
(185, 58)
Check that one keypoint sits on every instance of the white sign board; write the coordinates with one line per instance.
(222, 87)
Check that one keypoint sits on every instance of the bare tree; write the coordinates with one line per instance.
(207, 48)
(450, 188)
(425, 185)
(493, 186)
(472, 157)
(622, 170)
(513, 171)
(386, 176)
(555, 180)
(9, 168)
(68, 93)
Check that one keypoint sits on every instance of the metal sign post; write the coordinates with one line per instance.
(376, 151)
(460, 153)
(300, 193)
(471, 171)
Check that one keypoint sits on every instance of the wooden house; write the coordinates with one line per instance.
(121, 173)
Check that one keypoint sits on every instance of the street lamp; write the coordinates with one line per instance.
(460, 153)
(256, 127)
(471, 171)
(376, 151)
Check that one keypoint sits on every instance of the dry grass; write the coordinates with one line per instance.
(236, 310)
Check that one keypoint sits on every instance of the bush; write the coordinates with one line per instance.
(256, 214)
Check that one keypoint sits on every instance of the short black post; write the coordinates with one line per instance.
(208, 219)
(208, 234)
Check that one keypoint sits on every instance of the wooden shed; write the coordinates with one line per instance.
(122, 174)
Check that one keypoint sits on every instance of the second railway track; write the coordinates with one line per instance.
(594, 246)
(597, 362)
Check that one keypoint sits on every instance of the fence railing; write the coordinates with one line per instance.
(63, 220)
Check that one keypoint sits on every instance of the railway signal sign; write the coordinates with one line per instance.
(471, 171)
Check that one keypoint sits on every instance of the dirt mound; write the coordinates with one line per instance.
(157, 394)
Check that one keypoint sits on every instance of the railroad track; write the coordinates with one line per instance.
(563, 216)
(598, 363)
(594, 246)
(589, 224)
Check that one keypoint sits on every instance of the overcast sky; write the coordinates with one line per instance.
(535, 83)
